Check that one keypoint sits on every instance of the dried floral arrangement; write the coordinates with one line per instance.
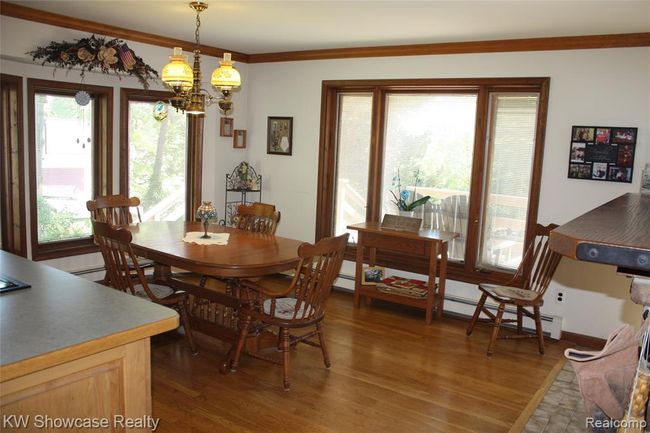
(96, 53)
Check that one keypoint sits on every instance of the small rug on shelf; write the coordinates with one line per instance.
(557, 406)
(404, 286)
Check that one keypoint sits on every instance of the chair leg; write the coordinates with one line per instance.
(539, 329)
(495, 330)
(477, 313)
(321, 339)
(185, 320)
(243, 333)
(520, 318)
(286, 351)
(204, 279)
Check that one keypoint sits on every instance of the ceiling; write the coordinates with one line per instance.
(254, 27)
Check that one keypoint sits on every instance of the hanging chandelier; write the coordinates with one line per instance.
(185, 81)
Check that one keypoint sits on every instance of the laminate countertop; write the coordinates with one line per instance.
(64, 317)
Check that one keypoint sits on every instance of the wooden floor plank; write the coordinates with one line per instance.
(390, 373)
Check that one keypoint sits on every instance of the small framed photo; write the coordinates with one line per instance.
(624, 135)
(226, 127)
(583, 133)
(239, 139)
(577, 152)
(279, 136)
(372, 275)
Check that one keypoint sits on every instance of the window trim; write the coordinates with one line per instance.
(194, 140)
(102, 160)
(13, 242)
(466, 271)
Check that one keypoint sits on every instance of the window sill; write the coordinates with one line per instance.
(54, 250)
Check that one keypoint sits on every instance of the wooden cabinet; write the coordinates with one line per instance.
(429, 243)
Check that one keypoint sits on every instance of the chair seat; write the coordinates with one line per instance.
(144, 263)
(285, 308)
(159, 291)
(507, 292)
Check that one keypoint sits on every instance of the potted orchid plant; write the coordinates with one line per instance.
(405, 199)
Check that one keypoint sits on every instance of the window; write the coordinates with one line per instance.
(156, 159)
(353, 147)
(69, 164)
(473, 145)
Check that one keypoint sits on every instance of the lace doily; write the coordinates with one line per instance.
(215, 238)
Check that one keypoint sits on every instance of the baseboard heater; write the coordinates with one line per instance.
(551, 324)
(89, 271)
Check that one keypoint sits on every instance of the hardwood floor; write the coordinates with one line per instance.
(390, 373)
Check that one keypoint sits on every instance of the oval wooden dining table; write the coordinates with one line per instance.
(246, 255)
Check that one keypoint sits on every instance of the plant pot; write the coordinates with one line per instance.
(407, 213)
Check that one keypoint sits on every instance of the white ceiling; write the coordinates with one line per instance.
(276, 26)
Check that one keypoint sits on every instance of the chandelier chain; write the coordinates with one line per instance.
(196, 32)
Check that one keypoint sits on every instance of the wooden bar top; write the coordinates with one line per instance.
(622, 223)
(63, 317)
(375, 227)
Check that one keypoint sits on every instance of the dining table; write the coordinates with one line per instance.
(245, 255)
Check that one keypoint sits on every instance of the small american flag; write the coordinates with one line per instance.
(126, 55)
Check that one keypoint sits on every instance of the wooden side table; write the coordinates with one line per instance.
(428, 243)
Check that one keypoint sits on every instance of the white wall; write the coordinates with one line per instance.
(588, 87)
(599, 87)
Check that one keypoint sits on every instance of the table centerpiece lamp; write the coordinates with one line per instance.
(205, 213)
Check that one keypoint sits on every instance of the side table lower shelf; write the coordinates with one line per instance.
(372, 292)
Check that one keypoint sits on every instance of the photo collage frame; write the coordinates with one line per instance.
(603, 153)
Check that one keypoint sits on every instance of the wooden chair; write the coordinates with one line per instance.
(116, 210)
(300, 304)
(257, 218)
(126, 275)
(537, 268)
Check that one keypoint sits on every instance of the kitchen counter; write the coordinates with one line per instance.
(65, 325)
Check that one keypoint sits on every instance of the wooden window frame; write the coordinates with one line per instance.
(466, 271)
(102, 160)
(193, 171)
(12, 168)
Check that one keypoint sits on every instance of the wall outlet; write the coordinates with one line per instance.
(560, 296)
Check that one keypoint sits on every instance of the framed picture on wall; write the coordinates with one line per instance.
(279, 135)
(239, 139)
(602, 153)
(226, 127)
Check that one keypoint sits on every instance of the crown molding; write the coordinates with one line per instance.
(497, 46)
(30, 14)
(623, 40)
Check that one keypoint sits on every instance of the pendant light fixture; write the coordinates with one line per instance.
(185, 80)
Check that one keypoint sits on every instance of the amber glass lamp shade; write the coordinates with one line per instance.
(178, 73)
(225, 77)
